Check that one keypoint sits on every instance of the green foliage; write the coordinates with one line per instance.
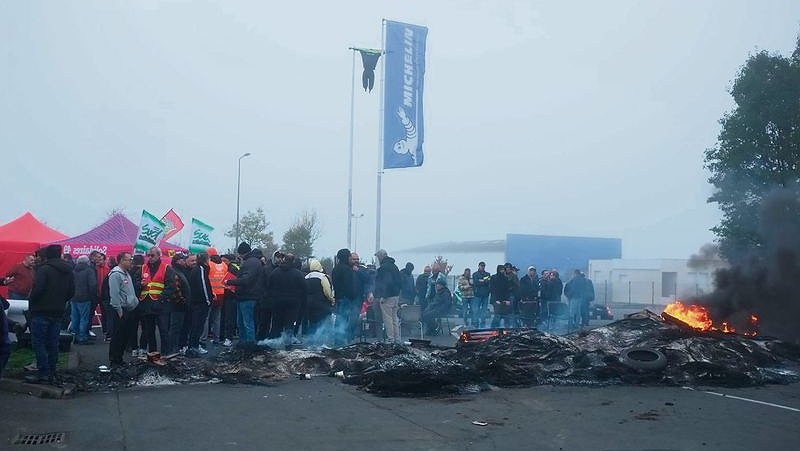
(253, 230)
(758, 148)
(299, 239)
(327, 264)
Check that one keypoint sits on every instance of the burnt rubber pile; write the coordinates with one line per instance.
(640, 350)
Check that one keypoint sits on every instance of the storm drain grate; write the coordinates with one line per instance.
(40, 439)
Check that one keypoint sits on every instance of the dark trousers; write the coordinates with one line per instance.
(178, 331)
(229, 317)
(124, 335)
(108, 318)
(431, 314)
(5, 353)
(198, 315)
(316, 313)
(265, 321)
(284, 316)
(44, 337)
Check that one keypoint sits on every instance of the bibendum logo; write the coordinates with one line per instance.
(407, 145)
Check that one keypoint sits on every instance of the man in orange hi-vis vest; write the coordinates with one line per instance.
(153, 307)
(217, 274)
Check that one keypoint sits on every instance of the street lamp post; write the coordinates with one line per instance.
(238, 194)
(355, 229)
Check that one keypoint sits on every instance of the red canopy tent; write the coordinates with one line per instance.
(21, 237)
(115, 235)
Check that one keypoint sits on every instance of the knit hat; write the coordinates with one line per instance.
(244, 248)
(52, 251)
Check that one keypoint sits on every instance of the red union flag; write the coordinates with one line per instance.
(173, 224)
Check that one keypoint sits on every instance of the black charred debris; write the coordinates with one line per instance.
(523, 358)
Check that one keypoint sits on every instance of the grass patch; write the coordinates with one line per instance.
(20, 357)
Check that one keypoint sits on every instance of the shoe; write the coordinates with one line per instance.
(202, 350)
(227, 343)
(92, 334)
(182, 351)
(142, 354)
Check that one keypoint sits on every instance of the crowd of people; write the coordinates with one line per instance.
(193, 300)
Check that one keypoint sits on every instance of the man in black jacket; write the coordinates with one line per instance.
(387, 293)
(286, 290)
(501, 298)
(249, 290)
(53, 286)
(421, 287)
(83, 299)
(344, 289)
(529, 297)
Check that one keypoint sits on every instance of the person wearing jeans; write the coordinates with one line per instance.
(82, 302)
(481, 282)
(53, 286)
(249, 288)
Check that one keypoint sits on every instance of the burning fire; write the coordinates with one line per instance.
(697, 317)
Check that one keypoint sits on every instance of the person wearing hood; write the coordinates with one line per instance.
(286, 290)
(249, 290)
(319, 295)
(53, 286)
(387, 291)
(348, 306)
(200, 301)
(83, 300)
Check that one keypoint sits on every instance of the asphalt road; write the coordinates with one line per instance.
(324, 414)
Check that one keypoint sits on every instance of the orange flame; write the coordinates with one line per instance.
(697, 317)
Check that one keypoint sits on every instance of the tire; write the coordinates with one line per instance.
(646, 359)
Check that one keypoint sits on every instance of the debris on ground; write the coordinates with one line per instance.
(515, 358)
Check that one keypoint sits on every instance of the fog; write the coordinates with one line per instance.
(575, 118)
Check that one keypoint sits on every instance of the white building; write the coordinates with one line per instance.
(651, 281)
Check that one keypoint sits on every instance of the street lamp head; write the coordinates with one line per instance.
(245, 155)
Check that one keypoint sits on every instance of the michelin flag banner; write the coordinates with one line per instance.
(201, 236)
(151, 229)
(403, 130)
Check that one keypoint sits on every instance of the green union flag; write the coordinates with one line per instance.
(151, 230)
(201, 236)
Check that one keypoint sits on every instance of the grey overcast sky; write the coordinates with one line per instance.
(563, 117)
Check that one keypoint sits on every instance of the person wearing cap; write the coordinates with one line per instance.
(439, 305)
(529, 297)
(217, 273)
(387, 292)
(178, 306)
(249, 290)
(53, 286)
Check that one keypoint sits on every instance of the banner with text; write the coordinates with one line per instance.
(151, 229)
(201, 236)
(403, 127)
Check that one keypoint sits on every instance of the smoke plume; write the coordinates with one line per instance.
(766, 281)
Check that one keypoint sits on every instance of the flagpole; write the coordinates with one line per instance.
(350, 173)
(380, 141)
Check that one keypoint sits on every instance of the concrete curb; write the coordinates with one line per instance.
(40, 391)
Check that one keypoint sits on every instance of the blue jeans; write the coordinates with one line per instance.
(44, 338)
(347, 313)
(478, 306)
(81, 313)
(246, 321)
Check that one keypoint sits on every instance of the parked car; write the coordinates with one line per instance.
(599, 311)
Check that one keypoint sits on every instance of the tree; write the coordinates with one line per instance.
(758, 148)
(299, 239)
(253, 230)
